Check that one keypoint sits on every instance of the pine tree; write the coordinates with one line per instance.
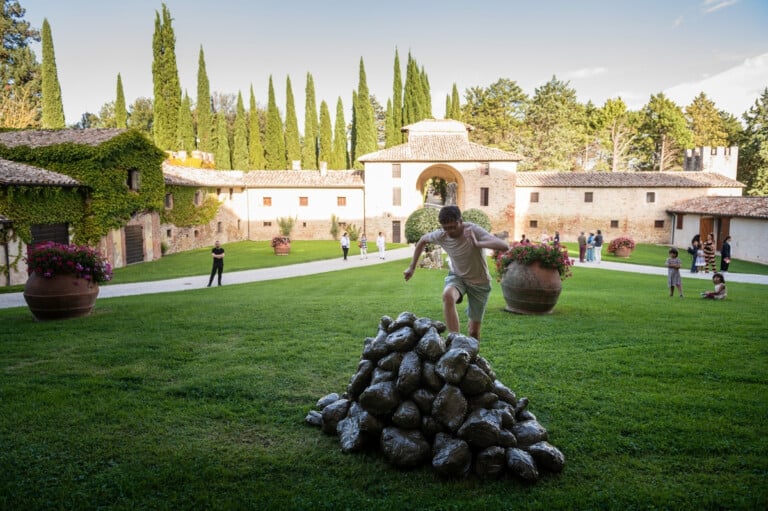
(455, 104)
(705, 123)
(274, 143)
(255, 147)
(397, 105)
(240, 146)
(185, 135)
(325, 138)
(223, 155)
(292, 141)
(53, 109)
(204, 125)
(309, 149)
(339, 156)
(753, 152)
(165, 76)
(365, 124)
(20, 87)
(121, 114)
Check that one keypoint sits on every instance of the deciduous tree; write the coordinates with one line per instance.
(20, 82)
(497, 113)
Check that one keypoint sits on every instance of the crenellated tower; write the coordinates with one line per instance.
(721, 160)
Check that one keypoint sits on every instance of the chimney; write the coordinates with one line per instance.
(296, 165)
(323, 168)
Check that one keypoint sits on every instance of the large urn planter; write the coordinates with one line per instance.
(282, 249)
(623, 252)
(530, 288)
(60, 297)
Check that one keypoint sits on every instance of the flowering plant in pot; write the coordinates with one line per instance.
(280, 241)
(624, 242)
(49, 259)
(548, 256)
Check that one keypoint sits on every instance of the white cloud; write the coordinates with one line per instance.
(586, 72)
(716, 5)
(734, 90)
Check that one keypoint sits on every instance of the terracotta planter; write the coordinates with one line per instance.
(61, 297)
(623, 252)
(531, 288)
(282, 249)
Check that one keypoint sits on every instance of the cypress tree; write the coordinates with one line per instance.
(240, 147)
(339, 156)
(53, 108)
(389, 128)
(204, 125)
(455, 104)
(121, 114)
(292, 141)
(353, 130)
(448, 107)
(426, 94)
(255, 147)
(309, 149)
(325, 138)
(274, 143)
(366, 140)
(185, 136)
(165, 76)
(412, 100)
(222, 156)
(397, 104)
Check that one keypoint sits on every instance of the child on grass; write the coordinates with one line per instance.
(673, 273)
(720, 292)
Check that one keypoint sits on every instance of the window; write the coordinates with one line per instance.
(238, 224)
(343, 225)
(231, 193)
(396, 170)
(341, 201)
(680, 221)
(218, 192)
(267, 224)
(587, 196)
(534, 196)
(168, 201)
(650, 197)
(133, 180)
(533, 224)
(485, 168)
(303, 201)
(396, 196)
(168, 233)
(614, 224)
(197, 233)
(218, 227)
(197, 197)
(659, 224)
(484, 194)
(303, 224)
(266, 201)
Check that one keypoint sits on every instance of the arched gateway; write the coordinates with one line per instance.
(397, 178)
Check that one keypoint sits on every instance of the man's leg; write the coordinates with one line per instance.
(450, 296)
(474, 329)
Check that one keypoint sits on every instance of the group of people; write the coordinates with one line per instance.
(674, 280)
(591, 247)
(704, 254)
(362, 244)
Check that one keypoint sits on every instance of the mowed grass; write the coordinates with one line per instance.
(197, 399)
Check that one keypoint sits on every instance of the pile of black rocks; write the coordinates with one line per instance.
(424, 398)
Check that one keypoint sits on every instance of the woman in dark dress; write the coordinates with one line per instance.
(725, 254)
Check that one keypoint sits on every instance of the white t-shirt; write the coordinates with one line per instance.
(467, 260)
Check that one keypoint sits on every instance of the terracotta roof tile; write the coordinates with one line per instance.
(44, 138)
(747, 207)
(451, 147)
(187, 176)
(19, 174)
(625, 179)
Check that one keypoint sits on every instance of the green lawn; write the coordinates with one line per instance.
(196, 400)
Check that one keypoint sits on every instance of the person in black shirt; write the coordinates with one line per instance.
(218, 262)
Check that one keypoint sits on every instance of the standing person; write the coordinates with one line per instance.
(700, 261)
(363, 247)
(709, 253)
(381, 244)
(217, 253)
(556, 238)
(345, 244)
(720, 292)
(523, 240)
(673, 273)
(591, 247)
(725, 255)
(599, 246)
(582, 247)
(694, 250)
(468, 275)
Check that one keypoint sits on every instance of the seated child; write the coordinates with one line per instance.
(720, 292)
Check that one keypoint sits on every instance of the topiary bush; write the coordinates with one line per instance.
(478, 217)
(419, 223)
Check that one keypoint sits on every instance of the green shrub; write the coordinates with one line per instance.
(478, 217)
(419, 223)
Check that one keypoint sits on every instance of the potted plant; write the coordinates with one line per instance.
(281, 245)
(531, 276)
(64, 280)
(621, 246)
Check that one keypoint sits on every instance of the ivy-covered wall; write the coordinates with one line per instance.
(106, 203)
(184, 212)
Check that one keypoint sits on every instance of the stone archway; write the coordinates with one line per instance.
(447, 173)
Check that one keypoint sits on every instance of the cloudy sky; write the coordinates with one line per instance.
(604, 48)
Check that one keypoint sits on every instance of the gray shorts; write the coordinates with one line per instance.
(477, 296)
